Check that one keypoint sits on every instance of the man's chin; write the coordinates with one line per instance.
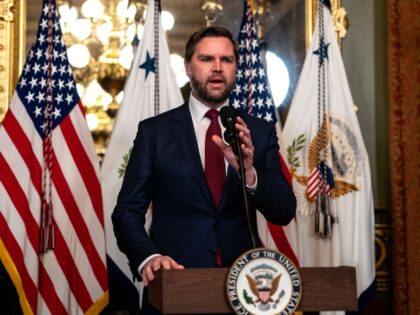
(220, 98)
(218, 95)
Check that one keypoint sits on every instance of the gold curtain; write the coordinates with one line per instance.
(404, 136)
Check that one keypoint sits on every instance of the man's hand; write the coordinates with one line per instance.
(247, 149)
(154, 264)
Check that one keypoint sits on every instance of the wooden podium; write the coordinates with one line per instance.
(201, 291)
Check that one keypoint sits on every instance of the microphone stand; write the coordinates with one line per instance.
(244, 191)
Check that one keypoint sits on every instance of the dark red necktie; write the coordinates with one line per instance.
(214, 165)
(214, 161)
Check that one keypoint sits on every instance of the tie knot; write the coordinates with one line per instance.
(212, 114)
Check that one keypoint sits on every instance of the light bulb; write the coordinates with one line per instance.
(92, 121)
(126, 13)
(81, 28)
(93, 92)
(78, 55)
(64, 10)
(177, 64)
(93, 9)
(103, 32)
(278, 77)
(168, 20)
(140, 30)
(106, 99)
(119, 97)
(80, 89)
(131, 31)
(126, 56)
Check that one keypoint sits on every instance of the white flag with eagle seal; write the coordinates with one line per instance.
(141, 100)
(329, 164)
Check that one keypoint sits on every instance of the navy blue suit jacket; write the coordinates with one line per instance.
(165, 169)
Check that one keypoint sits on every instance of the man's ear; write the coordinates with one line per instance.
(187, 67)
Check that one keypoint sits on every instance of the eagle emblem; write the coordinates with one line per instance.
(263, 282)
(343, 163)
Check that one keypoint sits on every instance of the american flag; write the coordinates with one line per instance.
(252, 94)
(320, 180)
(49, 168)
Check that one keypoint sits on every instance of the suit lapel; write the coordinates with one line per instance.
(184, 135)
(231, 179)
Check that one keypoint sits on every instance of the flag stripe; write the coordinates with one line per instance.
(281, 241)
(16, 225)
(70, 270)
(74, 179)
(80, 258)
(67, 298)
(21, 173)
(69, 203)
(19, 200)
(43, 307)
(23, 145)
(83, 163)
(78, 119)
(48, 292)
(15, 252)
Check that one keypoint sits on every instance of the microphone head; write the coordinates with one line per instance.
(228, 115)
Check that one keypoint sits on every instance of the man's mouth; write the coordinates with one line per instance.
(216, 82)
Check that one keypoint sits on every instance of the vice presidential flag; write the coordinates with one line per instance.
(252, 94)
(52, 240)
(150, 89)
(329, 164)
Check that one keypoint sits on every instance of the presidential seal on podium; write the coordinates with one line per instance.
(263, 281)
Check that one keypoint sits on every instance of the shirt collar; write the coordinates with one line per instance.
(198, 109)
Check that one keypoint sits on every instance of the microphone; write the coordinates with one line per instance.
(228, 117)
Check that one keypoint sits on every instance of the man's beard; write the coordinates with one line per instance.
(202, 93)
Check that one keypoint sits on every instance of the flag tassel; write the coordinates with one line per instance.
(46, 228)
(46, 240)
(323, 218)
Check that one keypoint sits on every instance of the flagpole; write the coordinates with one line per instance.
(156, 22)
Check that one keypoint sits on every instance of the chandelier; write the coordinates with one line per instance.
(100, 36)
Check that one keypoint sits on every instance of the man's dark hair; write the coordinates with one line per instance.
(209, 31)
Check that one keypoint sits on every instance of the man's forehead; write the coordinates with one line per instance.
(214, 45)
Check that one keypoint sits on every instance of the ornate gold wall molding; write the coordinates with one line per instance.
(12, 47)
(339, 16)
(383, 256)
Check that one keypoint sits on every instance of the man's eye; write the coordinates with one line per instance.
(227, 60)
(205, 59)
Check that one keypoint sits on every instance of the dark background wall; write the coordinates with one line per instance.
(364, 55)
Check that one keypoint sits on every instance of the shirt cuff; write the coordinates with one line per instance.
(251, 189)
(145, 262)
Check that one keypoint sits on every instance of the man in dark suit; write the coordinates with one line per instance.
(195, 224)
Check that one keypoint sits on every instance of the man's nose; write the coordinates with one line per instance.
(217, 65)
